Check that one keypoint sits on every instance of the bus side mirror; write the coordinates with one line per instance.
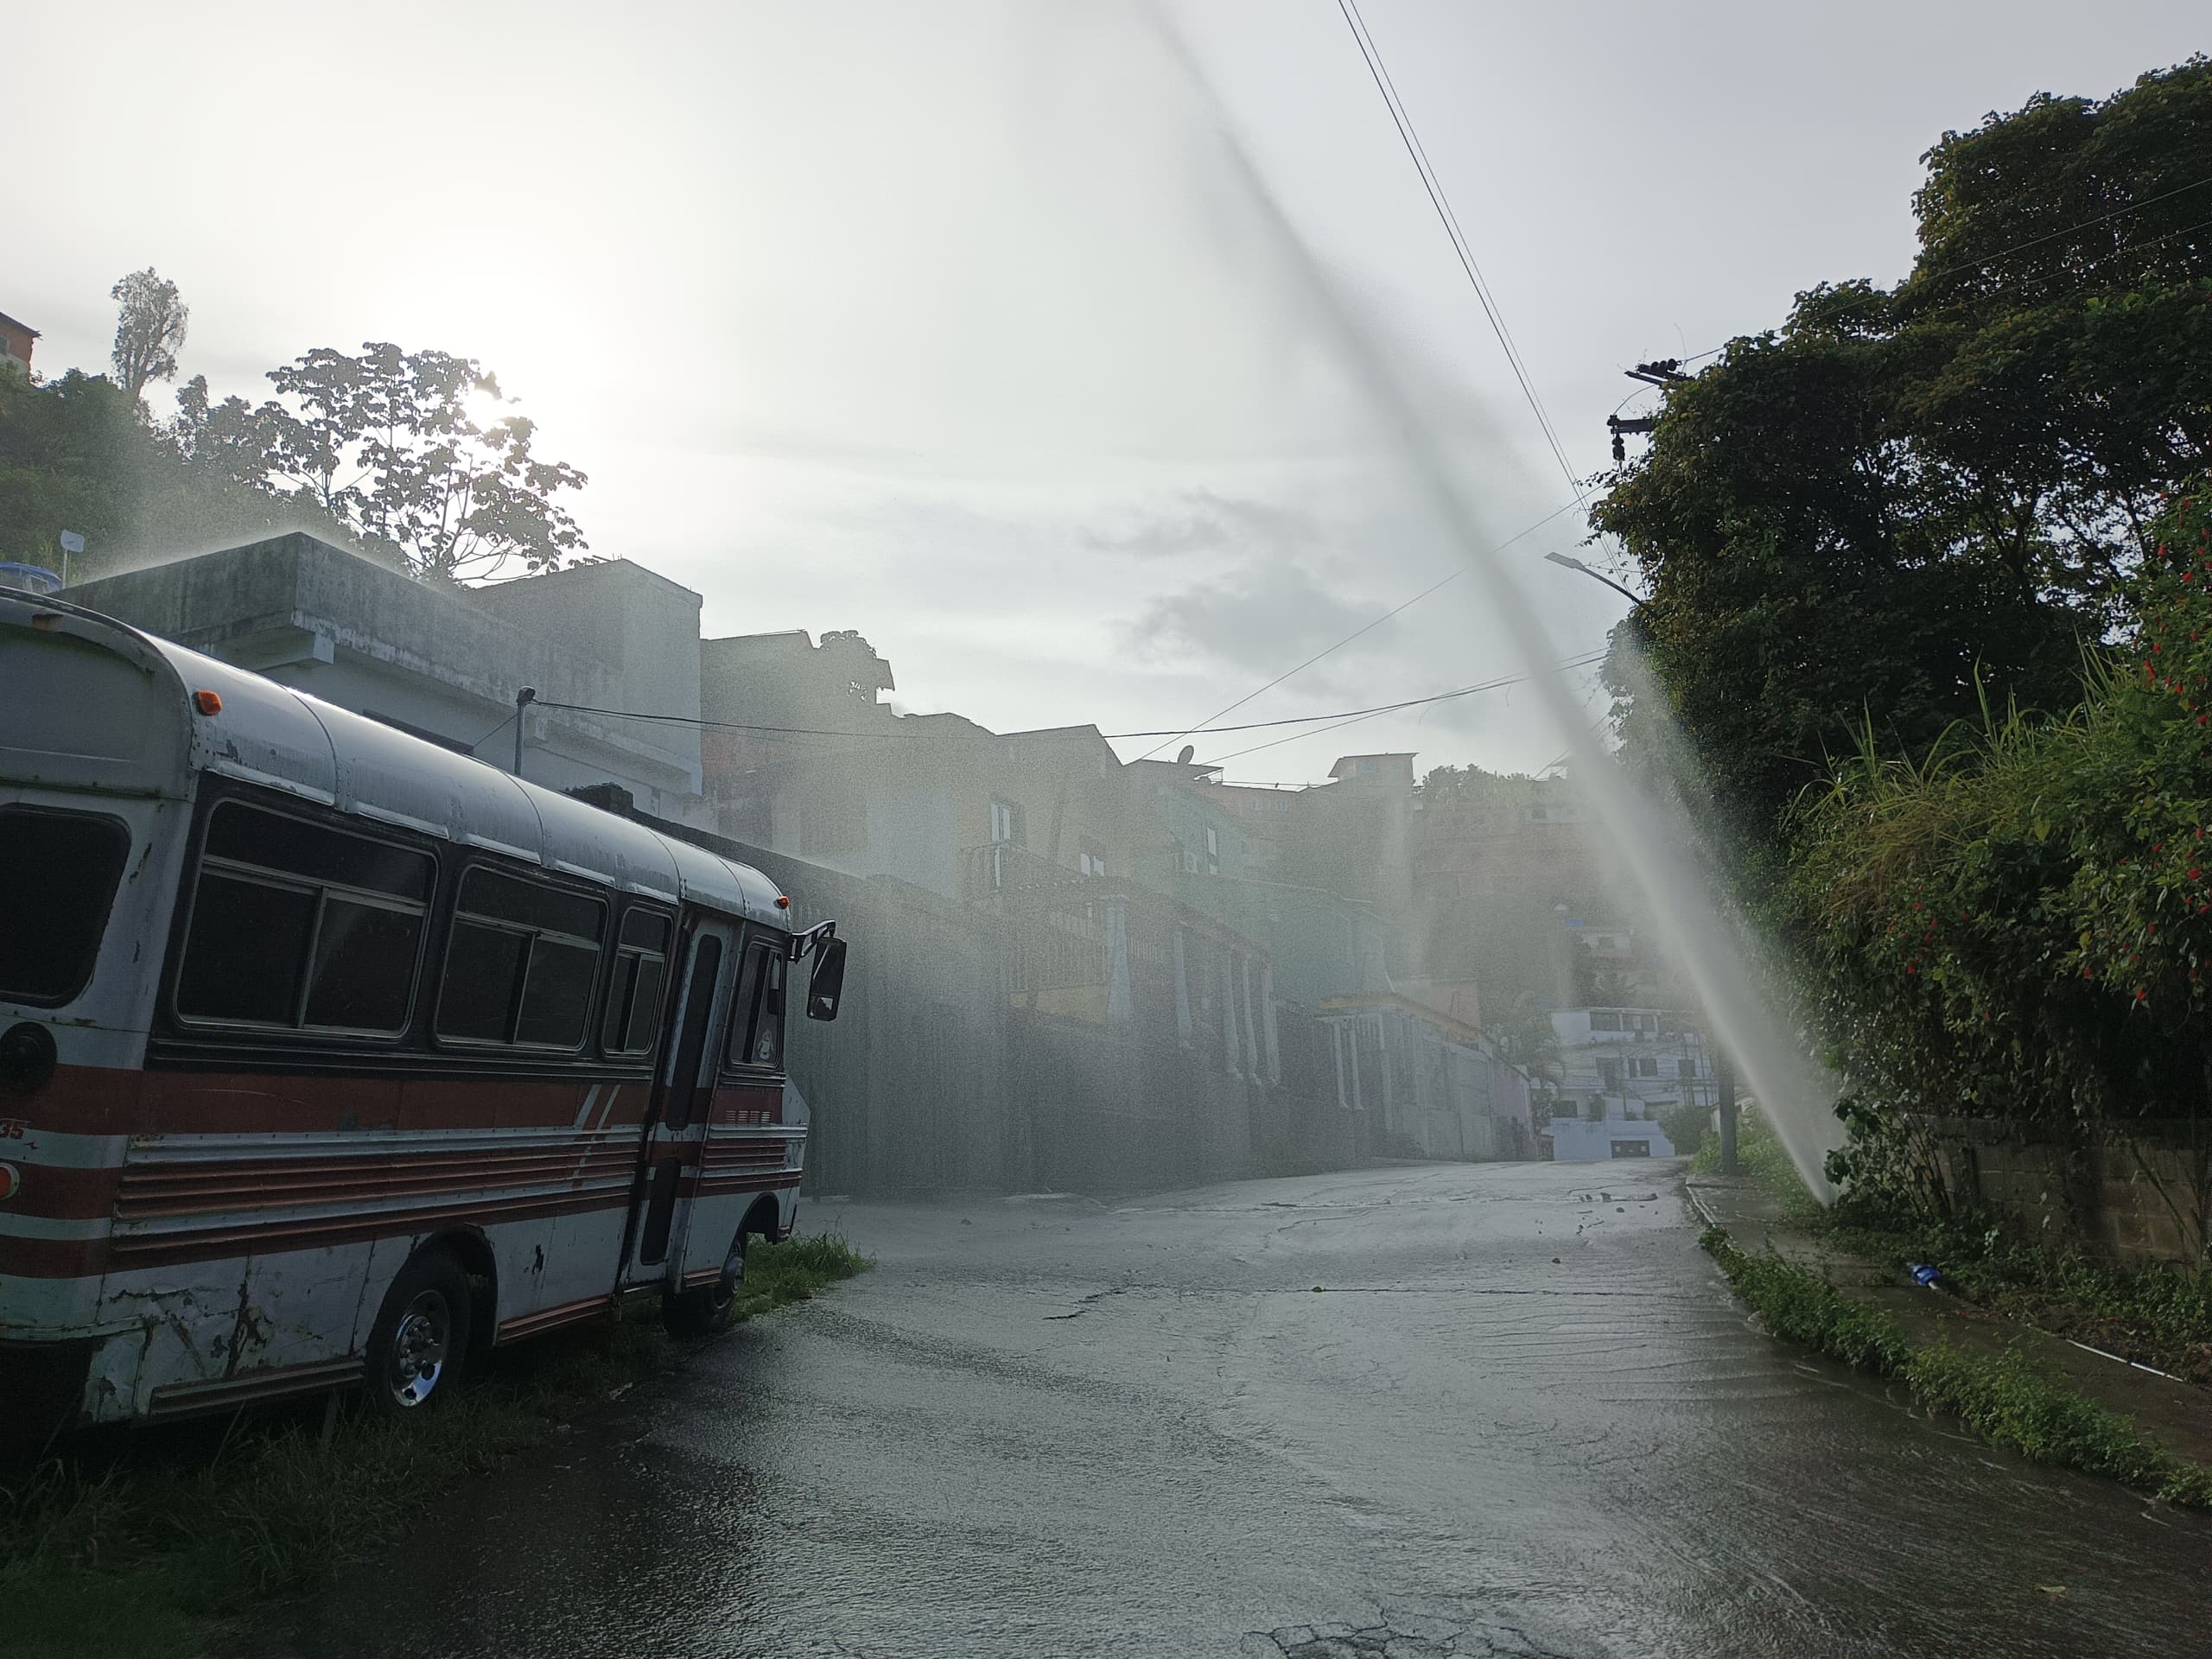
(828, 984)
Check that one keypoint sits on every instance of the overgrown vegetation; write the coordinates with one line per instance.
(1955, 533)
(415, 458)
(144, 1546)
(2001, 1397)
(2159, 1316)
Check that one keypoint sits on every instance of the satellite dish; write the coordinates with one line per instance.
(1184, 759)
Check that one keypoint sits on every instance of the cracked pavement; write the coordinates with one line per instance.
(1498, 1410)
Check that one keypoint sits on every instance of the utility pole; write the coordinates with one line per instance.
(1662, 372)
(523, 698)
(1724, 1080)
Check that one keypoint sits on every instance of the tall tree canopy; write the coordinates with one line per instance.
(148, 330)
(407, 449)
(1905, 500)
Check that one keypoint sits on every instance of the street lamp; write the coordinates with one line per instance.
(1596, 575)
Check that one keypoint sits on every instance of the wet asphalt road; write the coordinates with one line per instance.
(1057, 1428)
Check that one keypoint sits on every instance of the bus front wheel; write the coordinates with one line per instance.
(700, 1313)
(420, 1341)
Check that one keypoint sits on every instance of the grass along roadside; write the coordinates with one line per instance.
(140, 1546)
(2160, 1317)
(2001, 1397)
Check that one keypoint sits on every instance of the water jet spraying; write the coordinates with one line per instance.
(1734, 985)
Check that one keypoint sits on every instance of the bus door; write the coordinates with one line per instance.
(682, 1098)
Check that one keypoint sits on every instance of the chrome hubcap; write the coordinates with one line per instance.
(418, 1349)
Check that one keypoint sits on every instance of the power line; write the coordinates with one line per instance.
(1407, 135)
(497, 730)
(819, 731)
(1207, 724)
(2032, 242)
(1358, 715)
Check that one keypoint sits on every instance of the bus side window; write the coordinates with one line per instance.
(756, 1026)
(521, 964)
(630, 1023)
(54, 921)
(296, 925)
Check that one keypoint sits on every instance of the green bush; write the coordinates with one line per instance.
(2016, 925)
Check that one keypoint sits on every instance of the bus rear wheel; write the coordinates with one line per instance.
(420, 1342)
(702, 1312)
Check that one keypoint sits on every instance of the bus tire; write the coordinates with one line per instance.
(702, 1312)
(418, 1347)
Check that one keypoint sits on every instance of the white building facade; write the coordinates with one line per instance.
(1621, 1069)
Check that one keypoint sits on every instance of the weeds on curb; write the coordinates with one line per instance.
(2001, 1397)
(2159, 1315)
(137, 1549)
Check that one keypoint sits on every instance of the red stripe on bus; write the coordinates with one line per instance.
(546, 1319)
(108, 1100)
(198, 1187)
(55, 1193)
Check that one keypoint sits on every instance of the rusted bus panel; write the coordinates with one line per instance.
(300, 1307)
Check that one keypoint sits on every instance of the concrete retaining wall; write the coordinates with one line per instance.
(2131, 1198)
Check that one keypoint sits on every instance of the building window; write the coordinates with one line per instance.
(1686, 1069)
(1090, 859)
(521, 963)
(1213, 851)
(1609, 1076)
(295, 925)
(1006, 823)
(1646, 1066)
(1604, 1022)
(1631, 1148)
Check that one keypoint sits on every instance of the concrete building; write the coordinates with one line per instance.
(447, 664)
(1433, 1086)
(1620, 1070)
(16, 341)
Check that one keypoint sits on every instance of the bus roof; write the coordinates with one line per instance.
(271, 735)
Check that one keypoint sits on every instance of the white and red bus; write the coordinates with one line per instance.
(327, 1055)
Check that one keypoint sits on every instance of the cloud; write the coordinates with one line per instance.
(1201, 522)
(1260, 616)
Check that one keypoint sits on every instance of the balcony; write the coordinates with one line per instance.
(1014, 874)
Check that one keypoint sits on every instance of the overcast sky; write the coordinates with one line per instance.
(949, 322)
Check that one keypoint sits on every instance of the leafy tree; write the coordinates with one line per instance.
(148, 330)
(1904, 499)
(405, 449)
(76, 453)
(2020, 925)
